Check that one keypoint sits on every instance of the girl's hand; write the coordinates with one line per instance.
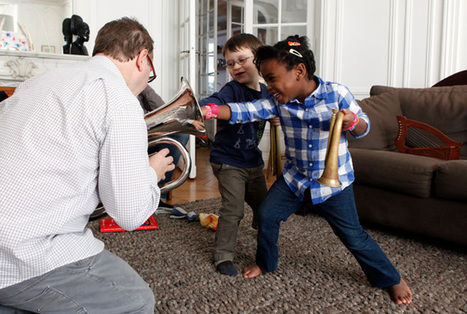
(348, 119)
(203, 111)
(222, 112)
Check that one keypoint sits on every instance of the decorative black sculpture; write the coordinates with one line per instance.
(66, 30)
(77, 47)
(75, 26)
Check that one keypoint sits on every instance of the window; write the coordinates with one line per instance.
(274, 20)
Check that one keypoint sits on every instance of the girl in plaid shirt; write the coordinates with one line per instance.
(304, 104)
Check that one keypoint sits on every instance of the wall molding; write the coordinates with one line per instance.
(338, 47)
(450, 38)
(407, 62)
(392, 44)
(430, 39)
(322, 37)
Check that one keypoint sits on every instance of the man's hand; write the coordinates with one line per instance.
(161, 163)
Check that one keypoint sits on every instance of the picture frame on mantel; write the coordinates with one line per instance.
(48, 49)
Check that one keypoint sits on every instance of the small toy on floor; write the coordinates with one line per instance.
(209, 221)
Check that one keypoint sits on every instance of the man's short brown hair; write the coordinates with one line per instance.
(123, 39)
(240, 41)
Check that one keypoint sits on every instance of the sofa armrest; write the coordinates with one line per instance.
(451, 180)
(394, 171)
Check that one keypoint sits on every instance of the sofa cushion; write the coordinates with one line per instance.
(394, 171)
(451, 180)
(444, 108)
(382, 111)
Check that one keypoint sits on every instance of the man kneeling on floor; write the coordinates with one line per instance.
(69, 138)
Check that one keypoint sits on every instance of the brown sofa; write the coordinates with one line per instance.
(420, 194)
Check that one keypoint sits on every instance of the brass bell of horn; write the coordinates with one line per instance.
(174, 117)
(330, 177)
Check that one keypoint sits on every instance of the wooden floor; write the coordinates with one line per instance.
(204, 186)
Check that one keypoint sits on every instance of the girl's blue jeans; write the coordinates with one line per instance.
(341, 213)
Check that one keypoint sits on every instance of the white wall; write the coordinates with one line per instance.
(461, 61)
(160, 19)
(401, 43)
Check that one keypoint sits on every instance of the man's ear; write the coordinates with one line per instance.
(141, 58)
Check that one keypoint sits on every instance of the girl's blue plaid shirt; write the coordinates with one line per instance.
(306, 129)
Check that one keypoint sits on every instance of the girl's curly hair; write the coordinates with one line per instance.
(291, 52)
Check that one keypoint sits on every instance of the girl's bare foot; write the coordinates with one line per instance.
(401, 293)
(252, 271)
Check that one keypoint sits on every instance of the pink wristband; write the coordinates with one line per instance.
(208, 114)
(212, 110)
(354, 123)
(215, 110)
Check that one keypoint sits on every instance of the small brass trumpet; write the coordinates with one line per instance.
(330, 176)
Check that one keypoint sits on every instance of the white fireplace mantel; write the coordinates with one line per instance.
(16, 66)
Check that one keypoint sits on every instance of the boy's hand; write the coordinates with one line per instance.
(199, 125)
(275, 121)
(161, 163)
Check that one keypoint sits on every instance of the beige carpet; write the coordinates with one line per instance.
(316, 274)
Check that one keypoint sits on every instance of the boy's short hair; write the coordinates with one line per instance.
(123, 39)
(242, 40)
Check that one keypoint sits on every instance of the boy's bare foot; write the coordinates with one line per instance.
(401, 293)
(252, 271)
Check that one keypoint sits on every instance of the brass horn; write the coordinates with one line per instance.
(330, 176)
(174, 117)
